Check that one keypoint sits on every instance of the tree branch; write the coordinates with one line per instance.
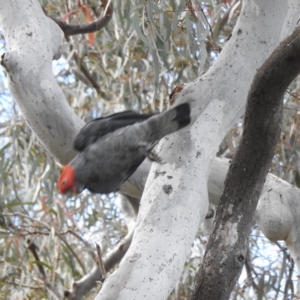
(33, 249)
(89, 27)
(147, 268)
(221, 269)
(85, 284)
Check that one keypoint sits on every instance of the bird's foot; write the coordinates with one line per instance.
(153, 156)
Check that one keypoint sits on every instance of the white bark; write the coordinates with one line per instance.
(277, 211)
(278, 214)
(174, 202)
(175, 197)
(33, 41)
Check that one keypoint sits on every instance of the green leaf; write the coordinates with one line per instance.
(17, 203)
(136, 26)
(156, 68)
(37, 262)
(162, 53)
(4, 148)
(154, 6)
(176, 15)
(168, 25)
(53, 212)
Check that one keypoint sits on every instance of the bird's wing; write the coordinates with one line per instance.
(99, 127)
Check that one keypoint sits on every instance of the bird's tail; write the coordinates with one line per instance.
(168, 122)
(182, 117)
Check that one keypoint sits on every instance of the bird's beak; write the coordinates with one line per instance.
(70, 194)
(75, 190)
(78, 189)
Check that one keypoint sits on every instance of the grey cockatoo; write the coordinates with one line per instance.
(111, 148)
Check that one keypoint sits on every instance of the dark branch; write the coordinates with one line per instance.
(227, 247)
(69, 29)
(100, 263)
(33, 249)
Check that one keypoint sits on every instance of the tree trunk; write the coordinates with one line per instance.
(175, 199)
(150, 269)
(227, 246)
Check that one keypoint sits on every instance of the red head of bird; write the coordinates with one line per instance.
(66, 182)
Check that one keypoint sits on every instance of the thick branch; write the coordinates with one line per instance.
(173, 217)
(221, 269)
(28, 62)
(149, 270)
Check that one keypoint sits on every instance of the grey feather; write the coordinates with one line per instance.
(111, 158)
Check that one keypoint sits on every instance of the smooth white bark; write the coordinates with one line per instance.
(175, 197)
(33, 41)
(278, 215)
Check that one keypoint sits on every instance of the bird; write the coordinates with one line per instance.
(111, 148)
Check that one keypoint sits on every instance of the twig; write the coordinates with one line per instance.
(74, 254)
(33, 249)
(100, 263)
(86, 244)
(16, 214)
(42, 287)
(89, 281)
(86, 28)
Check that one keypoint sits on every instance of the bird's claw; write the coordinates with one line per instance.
(153, 156)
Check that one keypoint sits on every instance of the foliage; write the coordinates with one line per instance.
(135, 62)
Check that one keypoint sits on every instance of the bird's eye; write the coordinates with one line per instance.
(64, 182)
